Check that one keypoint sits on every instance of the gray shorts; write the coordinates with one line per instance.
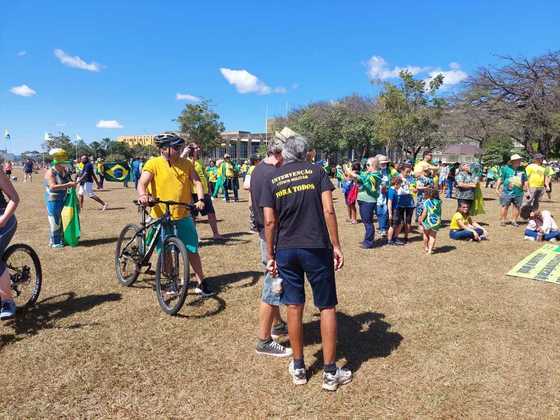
(507, 199)
(267, 296)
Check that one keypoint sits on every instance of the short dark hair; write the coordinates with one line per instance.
(356, 166)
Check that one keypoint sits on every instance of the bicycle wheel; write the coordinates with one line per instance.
(129, 254)
(172, 275)
(26, 276)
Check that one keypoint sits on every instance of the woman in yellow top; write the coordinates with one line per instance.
(464, 228)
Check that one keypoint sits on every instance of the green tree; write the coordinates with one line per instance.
(409, 114)
(497, 151)
(201, 124)
(61, 141)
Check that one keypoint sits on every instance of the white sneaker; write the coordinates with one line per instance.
(529, 238)
(553, 240)
(299, 376)
(331, 381)
(105, 206)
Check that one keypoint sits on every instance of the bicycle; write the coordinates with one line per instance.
(26, 275)
(134, 250)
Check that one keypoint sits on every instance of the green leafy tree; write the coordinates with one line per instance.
(497, 151)
(61, 141)
(409, 114)
(201, 124)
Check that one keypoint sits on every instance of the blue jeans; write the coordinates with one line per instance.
(553, 234)
(449, 191)
(56, 232)
(367, 210)
(383, 217)
(463, 234)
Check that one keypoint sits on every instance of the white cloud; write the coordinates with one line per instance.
(246, 82)
(108, 124)
(21, 53)
(451, 77)
(23, 90)
(187, 97)
(379, 70)
(76, 62)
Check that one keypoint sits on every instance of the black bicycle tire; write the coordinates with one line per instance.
(137, 269)
(183, 292)
(38, 270)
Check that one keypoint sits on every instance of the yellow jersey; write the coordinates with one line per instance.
(172, 183)
(535, 175)
(458, 217)
(201, 172)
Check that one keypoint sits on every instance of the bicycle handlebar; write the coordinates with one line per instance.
(167, 203)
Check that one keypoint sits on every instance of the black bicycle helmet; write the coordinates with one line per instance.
(168, 140)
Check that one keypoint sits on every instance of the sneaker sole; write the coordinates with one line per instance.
(277, 336)
(6, 318)
(327, 387)
(263, 353)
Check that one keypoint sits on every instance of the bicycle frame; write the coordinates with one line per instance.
(159, 234)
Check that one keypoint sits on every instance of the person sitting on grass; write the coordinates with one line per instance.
(430, 219)
(464, 228)
(541, 226)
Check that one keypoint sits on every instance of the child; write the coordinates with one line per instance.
(430, 219)
(462, 226)
(394, 211)
(423, 183)
(541, 226)
(406, 198)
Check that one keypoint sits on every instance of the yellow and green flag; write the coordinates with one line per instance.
(71, 219)
(116, 171)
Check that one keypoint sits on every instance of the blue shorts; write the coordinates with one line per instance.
(186, 232)
(267, 295)
(315, 263)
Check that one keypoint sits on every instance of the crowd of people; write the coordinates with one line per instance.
(292, 211)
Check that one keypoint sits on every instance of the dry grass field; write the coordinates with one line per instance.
(447, 335)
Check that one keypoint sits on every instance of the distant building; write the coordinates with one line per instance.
(462, 153)
(239, 144)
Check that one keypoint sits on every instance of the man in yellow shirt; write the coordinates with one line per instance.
(537, 180)
(192, 153)
(169, 177)
(425, 163)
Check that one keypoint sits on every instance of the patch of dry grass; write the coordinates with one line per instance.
(446, 335)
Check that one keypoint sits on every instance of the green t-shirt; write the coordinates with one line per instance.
(369, 183)
(513, 180)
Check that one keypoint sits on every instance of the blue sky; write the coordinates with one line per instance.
(73, 65)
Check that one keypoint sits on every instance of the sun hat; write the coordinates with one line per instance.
(58, 155)
(515, 157)
(382, 159)
(226, 156)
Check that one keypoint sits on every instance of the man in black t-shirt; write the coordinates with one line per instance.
(270, 323)
(302, 239)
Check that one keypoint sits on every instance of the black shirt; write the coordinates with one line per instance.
(87, 173)
(295, 192)
(260, 177)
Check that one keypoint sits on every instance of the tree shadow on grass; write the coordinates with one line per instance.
(46, 314)
(360, 338)
(99, 241)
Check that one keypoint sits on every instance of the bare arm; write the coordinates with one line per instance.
(143, 183)
(270, 224)
(332, 227)
(53, 186)
(198, 188)
(13, 197)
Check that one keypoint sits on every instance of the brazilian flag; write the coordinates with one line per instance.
(116, 171)
(71, 219)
